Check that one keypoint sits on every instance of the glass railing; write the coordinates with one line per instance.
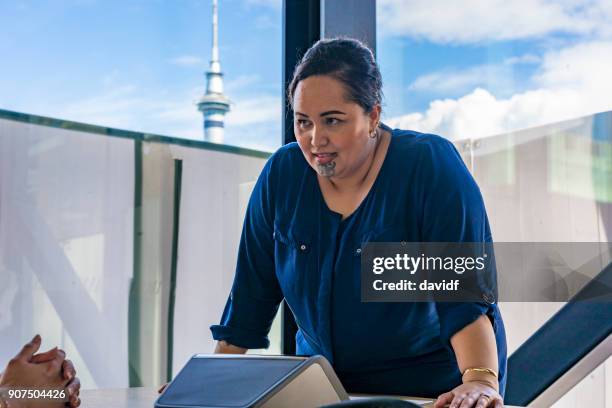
(548, 184)
(117, 246)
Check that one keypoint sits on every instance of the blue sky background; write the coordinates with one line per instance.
(140, 64)
(477, 68)
(407, 59)
(468, 70)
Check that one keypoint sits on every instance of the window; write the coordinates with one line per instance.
(489, 75)
(140, 65)
(469, 70)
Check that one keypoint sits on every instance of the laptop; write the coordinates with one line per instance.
(258, 381)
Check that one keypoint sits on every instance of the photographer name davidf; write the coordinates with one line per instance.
(406, 285)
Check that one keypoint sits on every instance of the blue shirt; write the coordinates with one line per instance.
(294, 247)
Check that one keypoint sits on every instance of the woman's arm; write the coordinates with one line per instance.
(256, 294)
(223, 347)
(475, 346)
(454, 211)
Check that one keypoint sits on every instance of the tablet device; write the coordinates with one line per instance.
(241, 381)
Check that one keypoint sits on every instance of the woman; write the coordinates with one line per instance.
(351, 179)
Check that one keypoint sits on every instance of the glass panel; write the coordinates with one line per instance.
(71, 268)
(146, 74)
(215, 190)
(147, 70)
(66, 239)
(592, 391)
(482, 75)
(547, 184)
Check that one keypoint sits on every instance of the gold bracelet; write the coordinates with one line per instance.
(480, 370)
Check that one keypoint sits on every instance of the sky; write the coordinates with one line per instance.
(140, 64)
(473, 68)
(477, 68)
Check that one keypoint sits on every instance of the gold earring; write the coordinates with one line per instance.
(373, 133)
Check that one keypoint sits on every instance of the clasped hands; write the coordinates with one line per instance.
(49, 370)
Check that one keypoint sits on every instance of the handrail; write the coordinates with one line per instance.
(128, 134)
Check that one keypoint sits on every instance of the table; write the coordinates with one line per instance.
(145, 397)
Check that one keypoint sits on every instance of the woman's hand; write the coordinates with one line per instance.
(20, 372)
(470, 394)
(73, 388)
(45, 370)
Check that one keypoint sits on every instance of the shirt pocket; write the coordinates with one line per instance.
(291, 237)
(390, 233)
(293, 259)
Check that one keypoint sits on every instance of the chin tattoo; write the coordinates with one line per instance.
(327, 170)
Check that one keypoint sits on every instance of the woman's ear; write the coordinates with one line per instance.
(375, 116)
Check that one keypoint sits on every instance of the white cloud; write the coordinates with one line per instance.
(586, 65)
(265, 136)
(261, 109)
(523, 59)
(470, 21)
(266, 22)
(571, 82)
(480, 114)
(113, 107)
(188, 61)
(240, 83)
(250, 122)
(453, 81)
(118, 102)
(446, 81)
(125, 106)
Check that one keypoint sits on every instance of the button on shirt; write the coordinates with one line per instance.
(294, 247)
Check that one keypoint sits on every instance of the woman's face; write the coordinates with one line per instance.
(332, 132)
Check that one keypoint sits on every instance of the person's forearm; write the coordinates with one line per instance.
(475, 346)
(224, 347)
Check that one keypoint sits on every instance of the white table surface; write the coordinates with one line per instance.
(145, 398)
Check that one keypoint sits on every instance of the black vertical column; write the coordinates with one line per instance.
(301, 29)
(304, 23)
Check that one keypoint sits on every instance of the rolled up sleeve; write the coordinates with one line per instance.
(256, 293)
(454, 211)
(455, 316)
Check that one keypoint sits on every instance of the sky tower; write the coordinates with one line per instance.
(214, 104)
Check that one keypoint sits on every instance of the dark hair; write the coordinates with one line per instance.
(347, 60)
